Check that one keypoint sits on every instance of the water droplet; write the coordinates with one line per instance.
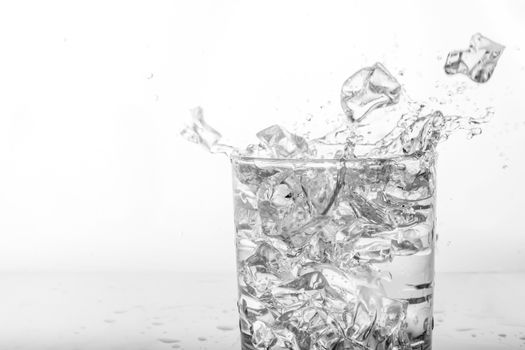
(109, 321)
(502, 335)
(168, 340)
(225, 328)
(201, 338)
(464, 329)
(474, 132)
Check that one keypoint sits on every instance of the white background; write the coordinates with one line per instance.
(93, 94)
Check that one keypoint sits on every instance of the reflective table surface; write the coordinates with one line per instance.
(169, 310)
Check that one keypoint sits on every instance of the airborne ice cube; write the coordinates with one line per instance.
(478, 61)
(282, 143)
(368, 89)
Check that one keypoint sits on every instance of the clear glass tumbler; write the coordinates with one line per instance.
(335, 254)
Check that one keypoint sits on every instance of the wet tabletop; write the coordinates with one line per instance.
(166, 310)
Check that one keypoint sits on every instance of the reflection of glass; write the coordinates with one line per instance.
(335, 254)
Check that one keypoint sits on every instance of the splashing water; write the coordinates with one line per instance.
(201, 133)
(397, 126)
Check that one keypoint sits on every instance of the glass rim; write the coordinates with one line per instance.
(432, 155)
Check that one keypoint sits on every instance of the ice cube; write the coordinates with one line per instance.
(247, 224)
(329, 338)
(266, 257)
(286, 339)
(376, 320)
(252, 309)
(419, 316)
(405, 216)
(282, 143)
(319, 185)
(318, 250)
(283, 204)
(201, 133)
(250, 174)
(342, 287)
(257, 151)
(478, 61)
(309, 288)
(245, 196)
(345, 289)
(302, 236)
(356, 228)
(262, 335)
(362, 323)
(367, 209)
(391, 317)
(312, 326)
(348, 344)
(246, 245)
(371, 250)
(297, 338)
(411, 241)
(256, 280)
(405, 248)
(245, 212)
(410, 179)
(369, 88)
(309, 281)
(264, 269)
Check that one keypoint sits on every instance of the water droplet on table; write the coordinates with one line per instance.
(168, 340)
